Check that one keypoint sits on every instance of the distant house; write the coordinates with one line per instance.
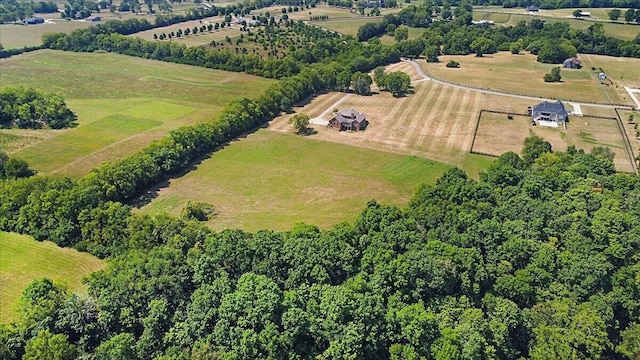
(572, 63)
(533, 8)
(549, 114)
(483, 23)
(33, 20)
(93, 18)
(349, 120)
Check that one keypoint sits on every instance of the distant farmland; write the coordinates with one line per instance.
(123, 103)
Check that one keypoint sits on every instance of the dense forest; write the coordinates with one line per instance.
(539, 259)
(28, 108)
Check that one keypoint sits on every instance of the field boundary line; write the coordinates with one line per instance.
(627, 142)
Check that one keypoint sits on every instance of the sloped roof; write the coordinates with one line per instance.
(550, 107)
(348, 116)
(574, 60)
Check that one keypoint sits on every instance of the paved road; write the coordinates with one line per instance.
(426, 77)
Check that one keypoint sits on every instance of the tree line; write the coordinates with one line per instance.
(537, 259)
(555, 41)
(13, 10)
(28, 108)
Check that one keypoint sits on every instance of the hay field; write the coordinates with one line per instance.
(496, 135)
(270, 180)
(622, 71)
(436, 122)
(25, 260)
(504, 71)
(123, 103)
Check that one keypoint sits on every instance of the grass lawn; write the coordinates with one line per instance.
(270, 180)
(24, 260)
(505, 72)
(123, 103)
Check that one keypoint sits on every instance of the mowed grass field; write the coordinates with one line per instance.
(270, 180)
(23, 260)
(123, 103)
(436, 122)
(497, 135)
(504, 71)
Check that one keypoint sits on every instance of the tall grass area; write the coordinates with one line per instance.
(270, 180)
(123, 103)
(23, 260)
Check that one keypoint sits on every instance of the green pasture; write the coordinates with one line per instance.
(498, 71)
(123, 103)
(24, 260)
(414, 33)
(271, 180)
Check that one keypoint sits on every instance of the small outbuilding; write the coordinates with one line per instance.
(572, 63)
(33, 20)
(602, 76)
(533, 8)
(349, 120)
(93, 18)
(550, 114)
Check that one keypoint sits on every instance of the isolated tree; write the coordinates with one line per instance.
(300, 122)
(577, 13)
(361, 83)
(614, 14)
(398, 83)
(553, 76)
(379, 77)
(401, 33)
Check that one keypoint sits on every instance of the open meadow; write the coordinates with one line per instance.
(123, 103)
(269, 180)
(506, 72)
(497, 135)
(24, 260)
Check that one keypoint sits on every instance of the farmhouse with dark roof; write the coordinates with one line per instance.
(33, 20)
(549, 114)
(349, 120)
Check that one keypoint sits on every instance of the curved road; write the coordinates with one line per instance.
(496, 92)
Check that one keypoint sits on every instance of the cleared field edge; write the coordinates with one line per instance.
(23, 260)
(627, 142)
